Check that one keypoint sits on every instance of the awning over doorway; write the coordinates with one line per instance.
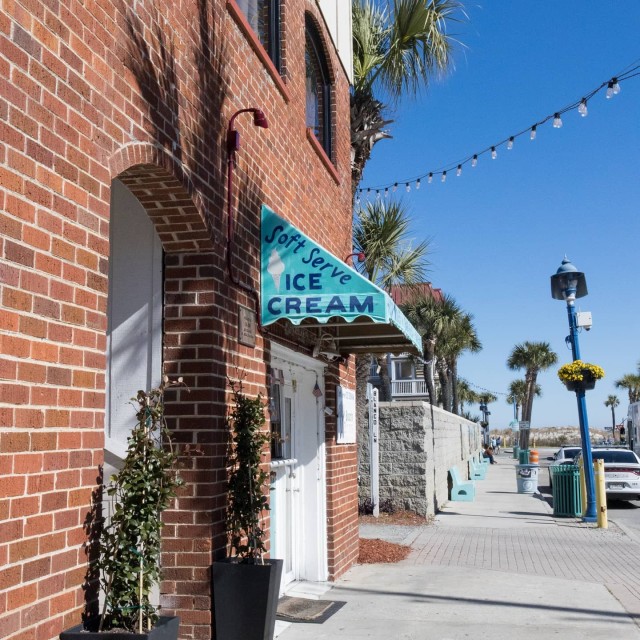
(302, 283)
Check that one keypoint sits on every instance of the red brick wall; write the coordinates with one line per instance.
(89, 93)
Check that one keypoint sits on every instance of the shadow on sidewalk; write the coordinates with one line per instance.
(613, 616)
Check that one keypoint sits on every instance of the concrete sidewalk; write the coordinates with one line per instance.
(499, 567)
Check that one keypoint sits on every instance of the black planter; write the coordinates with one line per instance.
(245, 599)
(587, 382)
(165, 629)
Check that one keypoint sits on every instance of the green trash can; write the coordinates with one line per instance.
(567, 497)
(523, 456)
(516, 449)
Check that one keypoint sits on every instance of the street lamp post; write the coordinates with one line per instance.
(568, 284)
(485, 422)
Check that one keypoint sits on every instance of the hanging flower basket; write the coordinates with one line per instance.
(579, 375)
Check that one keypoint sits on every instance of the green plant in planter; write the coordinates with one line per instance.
(129, 557)
(245, 585)
(247, 478)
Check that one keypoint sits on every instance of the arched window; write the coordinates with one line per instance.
(264, 18)
(318, 87)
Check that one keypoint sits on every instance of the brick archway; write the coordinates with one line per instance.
(174, 206)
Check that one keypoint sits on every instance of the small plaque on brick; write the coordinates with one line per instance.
(246, 326)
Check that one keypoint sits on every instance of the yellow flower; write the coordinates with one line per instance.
(574, 371)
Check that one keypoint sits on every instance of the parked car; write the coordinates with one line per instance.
(621, 472)
(564, 455)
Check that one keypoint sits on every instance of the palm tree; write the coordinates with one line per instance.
(518, 395)
(431, 318)
(630, 382)
(612, 401)
(459, 337)
(381, 231)
(466, 395)
(397, 48)
(533, 357)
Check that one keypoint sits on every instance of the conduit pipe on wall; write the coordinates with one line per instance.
(233, 145)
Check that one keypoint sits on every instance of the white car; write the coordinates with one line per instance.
(621, 472)
(564, 455)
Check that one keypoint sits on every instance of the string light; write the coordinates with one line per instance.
(612, 87)
(459, 170)
(386, 192)
(582, 109)
(407, 187)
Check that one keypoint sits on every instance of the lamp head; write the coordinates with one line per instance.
(568, 283)
(326, 347)
(259, 119)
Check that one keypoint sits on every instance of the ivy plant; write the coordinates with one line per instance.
(247, 478)
(129, 553)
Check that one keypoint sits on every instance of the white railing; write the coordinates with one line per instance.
(408, 388)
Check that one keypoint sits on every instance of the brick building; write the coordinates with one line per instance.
(119, 262)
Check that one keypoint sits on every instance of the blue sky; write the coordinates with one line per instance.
(500, 230)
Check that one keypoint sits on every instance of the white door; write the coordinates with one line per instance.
(298, 492)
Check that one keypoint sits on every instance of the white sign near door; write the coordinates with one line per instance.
(346, 415)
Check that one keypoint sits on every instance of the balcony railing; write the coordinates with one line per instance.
(407, 388)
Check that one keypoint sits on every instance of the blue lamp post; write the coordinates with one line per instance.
(568, 284)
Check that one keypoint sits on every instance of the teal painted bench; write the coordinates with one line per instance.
(477, 471)
(461, 490)
(482, 459)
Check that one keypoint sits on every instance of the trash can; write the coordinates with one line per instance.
(567, 498)
(516, 448)
(523, 456)
(527, 477)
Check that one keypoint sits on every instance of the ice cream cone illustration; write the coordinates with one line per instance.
(275, 267)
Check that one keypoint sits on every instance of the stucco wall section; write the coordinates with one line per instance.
(416, 455)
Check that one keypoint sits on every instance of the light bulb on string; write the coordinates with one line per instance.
(395, 186)
(510, 143)
(386, 192)
(474, 161)
(534, 130)
(418, 184)
(444, 176)
(430, 178)
(557, 121)
(459, 171)
(368, 190)
(407, 186)
(582, 109)
(613, 88)
(377, 194)
(494, 153)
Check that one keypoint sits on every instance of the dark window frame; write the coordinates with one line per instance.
(273, 31)
(313, 43)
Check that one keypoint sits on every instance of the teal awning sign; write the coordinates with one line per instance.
(300, 280)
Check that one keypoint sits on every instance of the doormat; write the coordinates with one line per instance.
(305, 610)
